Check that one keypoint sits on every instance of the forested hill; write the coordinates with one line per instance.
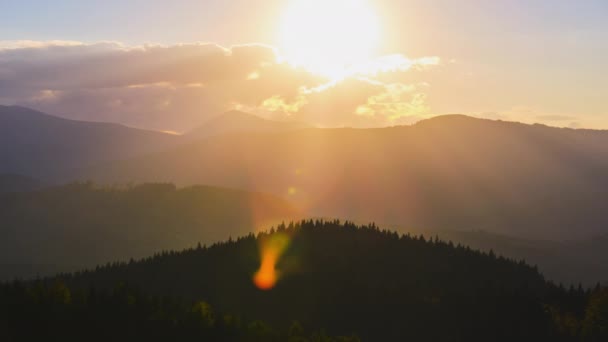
(345, 279)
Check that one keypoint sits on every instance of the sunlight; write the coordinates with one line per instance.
(271, 250)
(329, 37)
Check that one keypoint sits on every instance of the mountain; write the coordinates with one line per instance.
(40, 145)
(355, 279)
(81, 225)
(19, 183)
(451, 172)
(537, 191)
(583, 261)
(240, 122)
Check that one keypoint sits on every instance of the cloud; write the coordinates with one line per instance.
(22, 44)
(395, 63)
(395, 102)
(277, 103)
(354, 102)
(177, 87)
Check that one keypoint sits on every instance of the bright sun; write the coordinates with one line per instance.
(329, 37)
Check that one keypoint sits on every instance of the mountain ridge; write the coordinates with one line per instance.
(235, 121)
(478, 174)
(40, 145)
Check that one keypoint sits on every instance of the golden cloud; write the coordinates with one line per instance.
(177, 87)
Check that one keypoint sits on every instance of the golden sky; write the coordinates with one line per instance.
(362, 63)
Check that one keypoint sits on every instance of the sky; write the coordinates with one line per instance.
(171, 65)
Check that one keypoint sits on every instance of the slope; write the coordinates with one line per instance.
(345, 278)
(43, 146)
(240, 122)
(78, 225)
(451, 172)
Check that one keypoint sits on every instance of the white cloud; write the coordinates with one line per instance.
(24, 44)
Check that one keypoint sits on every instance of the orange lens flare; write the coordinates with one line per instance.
(271, 250)
(266, 277)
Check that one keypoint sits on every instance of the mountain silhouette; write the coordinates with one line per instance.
(239, 122)
(528, 191)
(40, 145)
(450, 172)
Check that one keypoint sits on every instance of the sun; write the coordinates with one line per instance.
(328, 37)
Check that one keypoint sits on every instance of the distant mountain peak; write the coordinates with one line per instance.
(41, 145)
(451, 118)
(241, 114)
(236, 116)
(235, 121)
(14, 112)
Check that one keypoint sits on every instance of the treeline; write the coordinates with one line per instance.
(54, 312)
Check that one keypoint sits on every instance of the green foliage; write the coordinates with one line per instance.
(595, 325)
(204, 312)
(35, 312)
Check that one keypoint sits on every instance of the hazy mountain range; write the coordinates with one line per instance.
(240, 122)
(44, 146)
(527, 191)
(451, 171)
(74, 226)
(36, 144)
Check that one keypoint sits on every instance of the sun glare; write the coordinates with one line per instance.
(329, 37)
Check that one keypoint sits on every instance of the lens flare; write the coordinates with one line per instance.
(266, 277)
(271, 250)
